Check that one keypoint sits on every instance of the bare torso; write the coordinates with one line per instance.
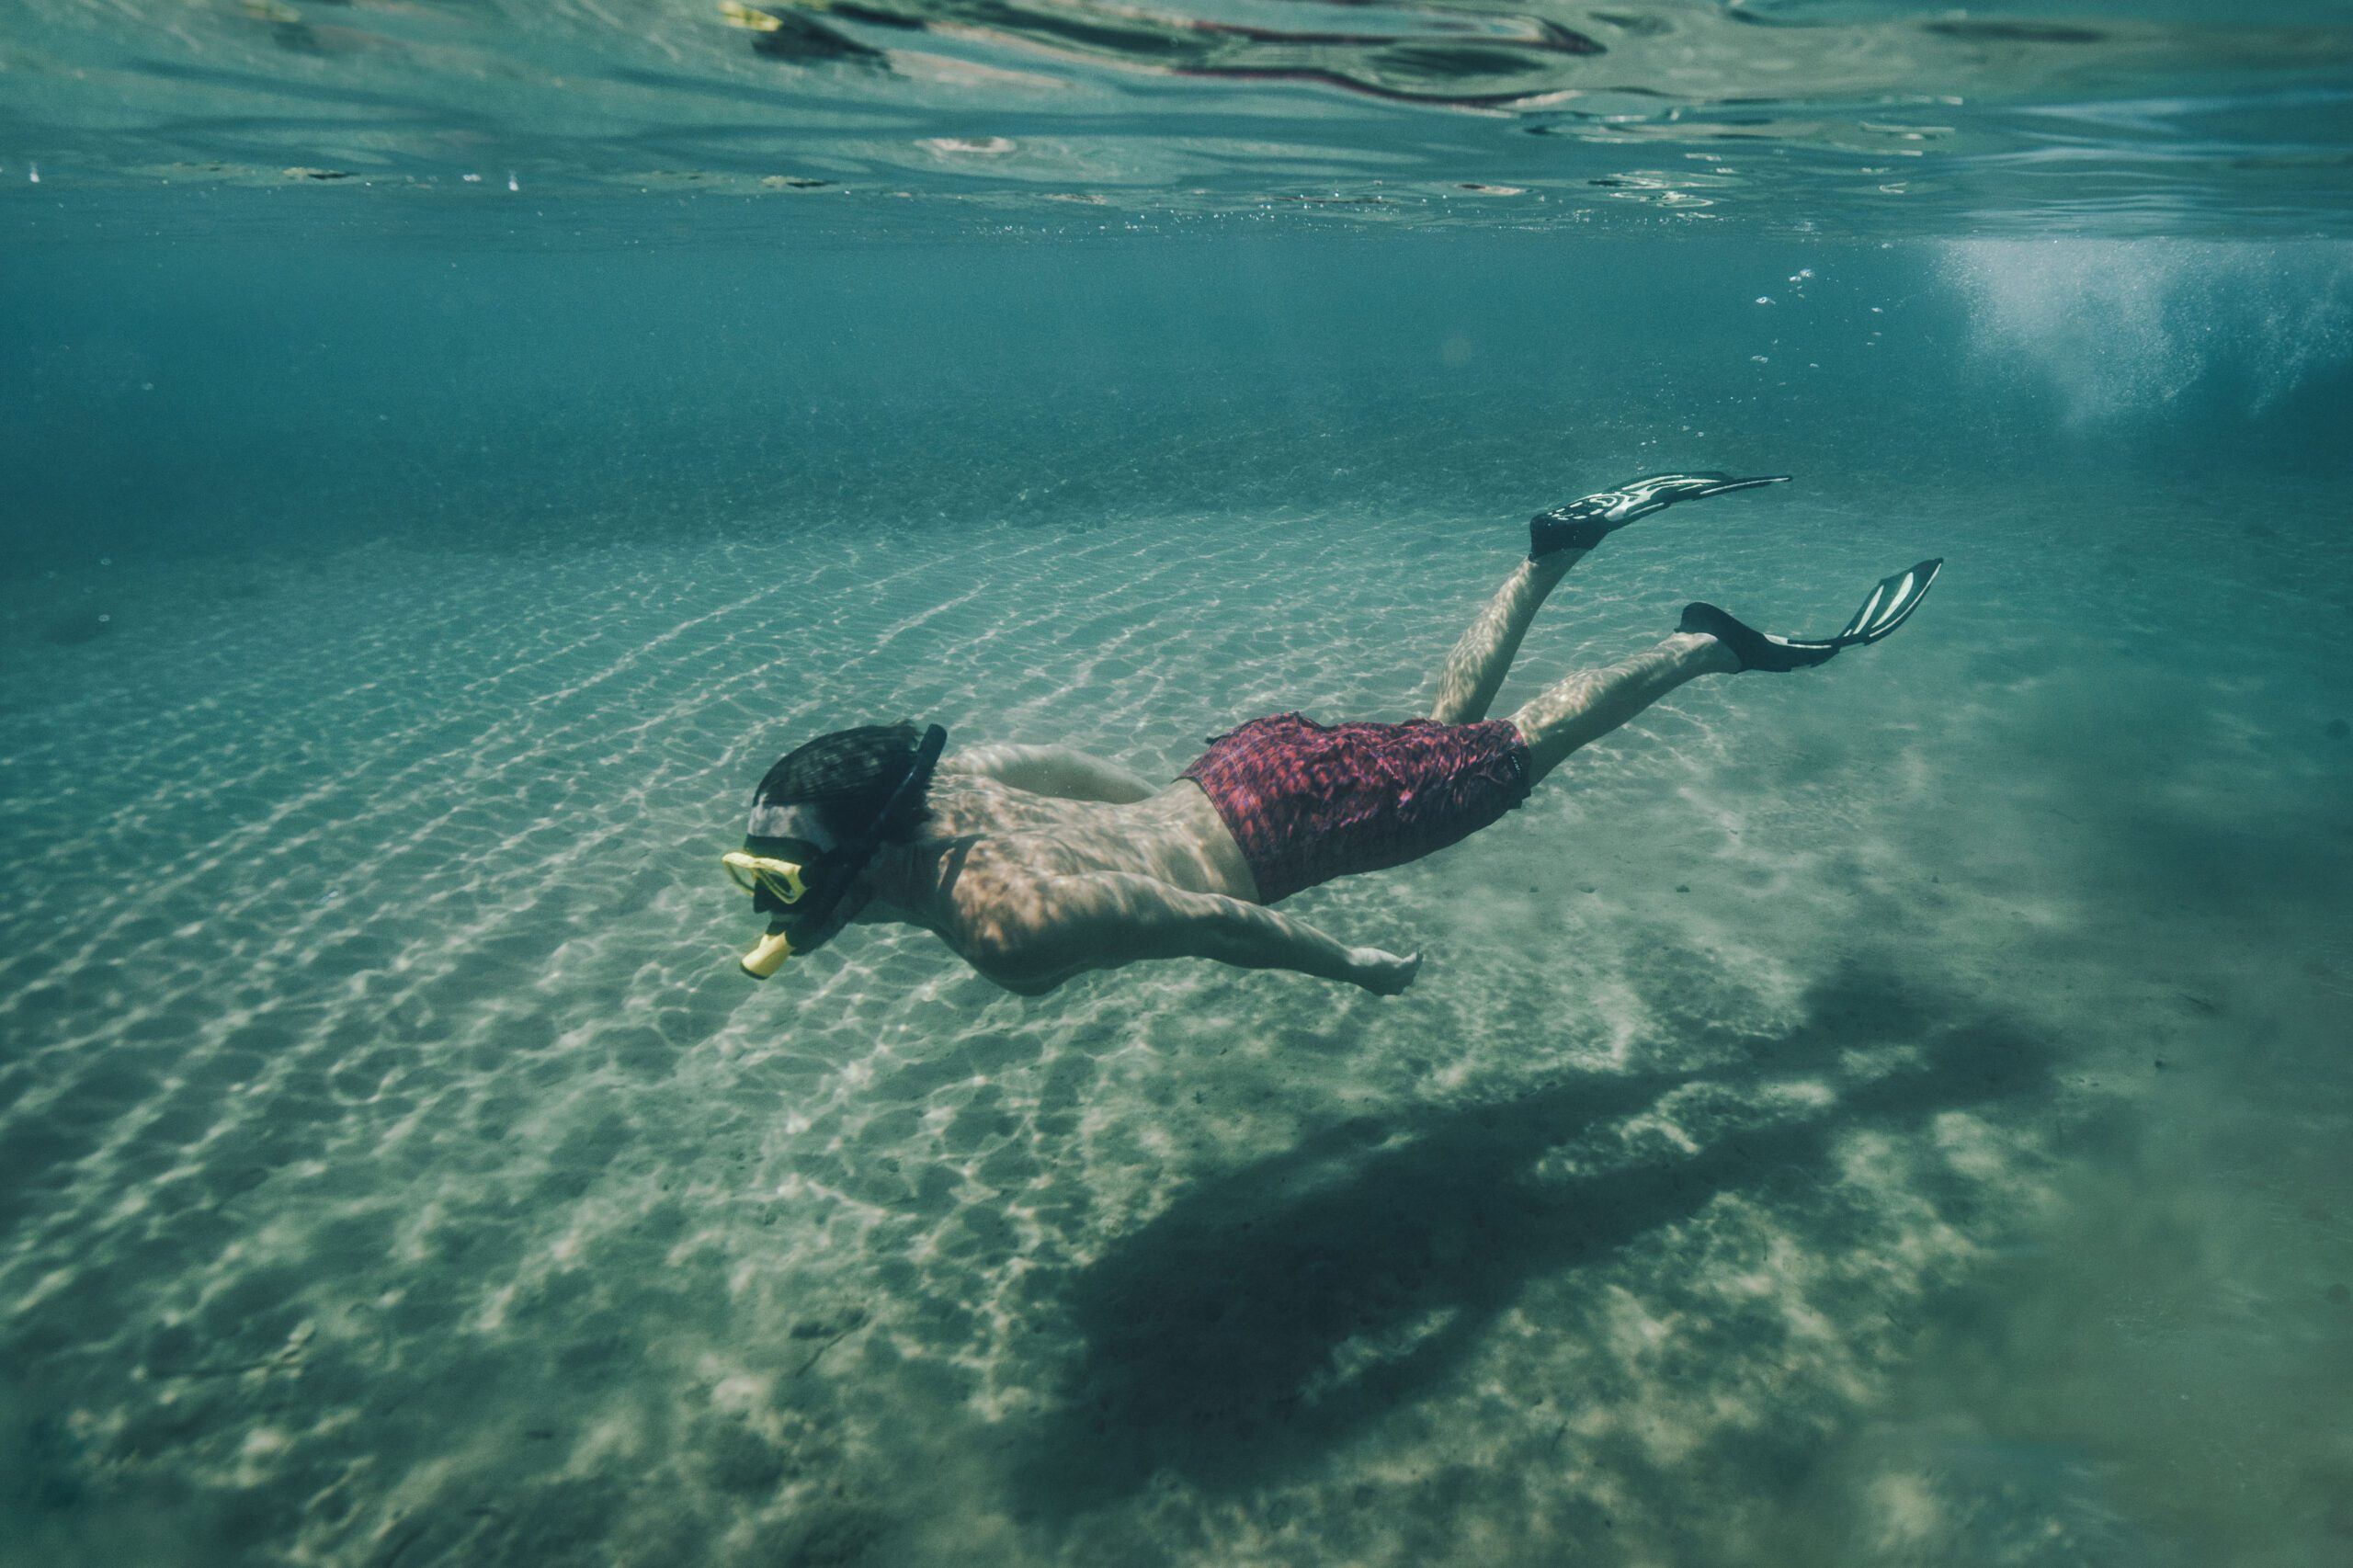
(1173, 836)
(1030, 888)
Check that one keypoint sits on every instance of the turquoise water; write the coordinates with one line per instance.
(1895, 1114)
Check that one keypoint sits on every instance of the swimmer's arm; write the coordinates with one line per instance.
(1059, 771)
(1103, 920)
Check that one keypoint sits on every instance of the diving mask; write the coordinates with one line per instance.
(770, 882)
(772, 886)
(757, 874)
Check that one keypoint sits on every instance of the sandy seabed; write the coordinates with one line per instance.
(1895, 1115)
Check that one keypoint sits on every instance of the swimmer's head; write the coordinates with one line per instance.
(817, 818)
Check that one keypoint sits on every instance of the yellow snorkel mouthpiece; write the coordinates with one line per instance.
(769, 956)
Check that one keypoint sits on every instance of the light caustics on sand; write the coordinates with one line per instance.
(410, 1178)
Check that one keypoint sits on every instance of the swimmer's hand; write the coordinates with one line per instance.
(1383, 974)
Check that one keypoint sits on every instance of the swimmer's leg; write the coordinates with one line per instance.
(1589, 704)
(1557, 541)
(1474, 671)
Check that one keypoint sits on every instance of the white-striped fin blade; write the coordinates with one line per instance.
(1871, 607)
(1890, 603)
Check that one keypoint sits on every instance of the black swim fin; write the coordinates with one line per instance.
(1889, 605)
(1581, 524)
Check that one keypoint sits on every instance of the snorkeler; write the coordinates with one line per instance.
(1038, 863)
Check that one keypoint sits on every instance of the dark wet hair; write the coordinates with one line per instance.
(848, 776)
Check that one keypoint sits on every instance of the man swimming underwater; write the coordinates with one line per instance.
(1038, 863)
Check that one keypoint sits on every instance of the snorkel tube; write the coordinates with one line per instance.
(782, 879)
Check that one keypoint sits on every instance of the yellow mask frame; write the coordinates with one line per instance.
(781, 880)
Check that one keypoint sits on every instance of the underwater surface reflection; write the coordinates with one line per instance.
(1072, 117)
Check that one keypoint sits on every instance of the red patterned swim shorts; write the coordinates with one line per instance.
(1309, 802)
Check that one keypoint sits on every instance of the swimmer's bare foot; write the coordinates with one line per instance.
(1583, 522)
(1385, 975)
